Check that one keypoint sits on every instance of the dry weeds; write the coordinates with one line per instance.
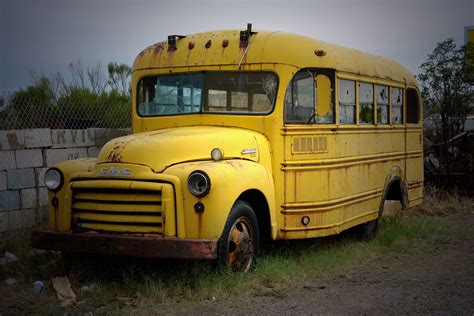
(438, 202)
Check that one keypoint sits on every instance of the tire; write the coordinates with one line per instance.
(238, 246)
(368, 230)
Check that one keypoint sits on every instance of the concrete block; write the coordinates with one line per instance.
(3, 180)
(103, 135)
(93, 152)
(67, 138)
(9, 200)
(3, 222)
(42, 216)
(21, 219)
(39, 175)
(7, 160)
(12, 140)
(29, 158)
(53, 156)
(28, 198)
(39, 137)
(43, 199)
(21, 179)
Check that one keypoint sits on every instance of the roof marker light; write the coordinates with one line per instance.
(319, 52)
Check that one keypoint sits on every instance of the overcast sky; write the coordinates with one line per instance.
(43, 36)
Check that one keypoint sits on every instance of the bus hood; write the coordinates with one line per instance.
(163, 148)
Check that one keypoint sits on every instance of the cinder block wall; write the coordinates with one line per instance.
(25, 155)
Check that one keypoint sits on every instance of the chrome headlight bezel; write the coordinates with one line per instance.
(199, 183)
(53, 179)
(217, 154)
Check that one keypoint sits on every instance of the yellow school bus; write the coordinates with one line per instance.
(241, 136)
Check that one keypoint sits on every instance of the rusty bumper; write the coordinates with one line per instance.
(135, 246)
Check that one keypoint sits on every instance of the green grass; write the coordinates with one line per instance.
(122, 282)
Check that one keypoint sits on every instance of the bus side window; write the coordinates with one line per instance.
(299, 99)
(366, 103)
(382, 104)
(397, 106)
(412, 106)
(347, 101)
(309, 98)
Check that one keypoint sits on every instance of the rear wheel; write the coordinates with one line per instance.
(239, 243)
(368, 230)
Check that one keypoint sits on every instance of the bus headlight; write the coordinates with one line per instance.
(53, 179)
(199, 183)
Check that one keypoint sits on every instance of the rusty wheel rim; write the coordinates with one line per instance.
(240, 248)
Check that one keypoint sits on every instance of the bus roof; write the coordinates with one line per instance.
(221, 48)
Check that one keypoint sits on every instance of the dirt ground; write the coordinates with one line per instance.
(433, 276)
(430, 276)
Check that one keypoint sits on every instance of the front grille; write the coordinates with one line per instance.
(131, 207)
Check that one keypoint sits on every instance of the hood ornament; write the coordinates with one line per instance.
(249, 151)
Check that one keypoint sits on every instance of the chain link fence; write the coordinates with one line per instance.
(70, 112)
(38, 131)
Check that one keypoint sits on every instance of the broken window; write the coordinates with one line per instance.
(382, 104)
(347, 101)
(366, 103)
(309, 97)
(397, 106)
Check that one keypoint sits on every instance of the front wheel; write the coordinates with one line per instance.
(238, 246)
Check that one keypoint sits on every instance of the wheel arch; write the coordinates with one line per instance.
(257, 200)
(395, 188)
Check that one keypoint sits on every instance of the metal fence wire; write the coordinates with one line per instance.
(25, 112)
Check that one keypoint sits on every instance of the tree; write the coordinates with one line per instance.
(119, 75)
(445, 92)
(27, 108)
(97, 80)
(83, 101)
(92, 78)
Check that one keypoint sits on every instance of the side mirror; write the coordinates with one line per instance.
(323, 95)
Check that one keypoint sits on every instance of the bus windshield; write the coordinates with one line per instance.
(207, 92)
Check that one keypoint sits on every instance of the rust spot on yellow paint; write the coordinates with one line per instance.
(158, 46)
(115, 155)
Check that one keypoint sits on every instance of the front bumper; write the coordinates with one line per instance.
(126, 245)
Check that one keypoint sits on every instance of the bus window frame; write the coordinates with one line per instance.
(420, 105)
(204, 96)
(332, 75)
(375, 81)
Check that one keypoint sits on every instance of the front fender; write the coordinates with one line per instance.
(229, 179)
